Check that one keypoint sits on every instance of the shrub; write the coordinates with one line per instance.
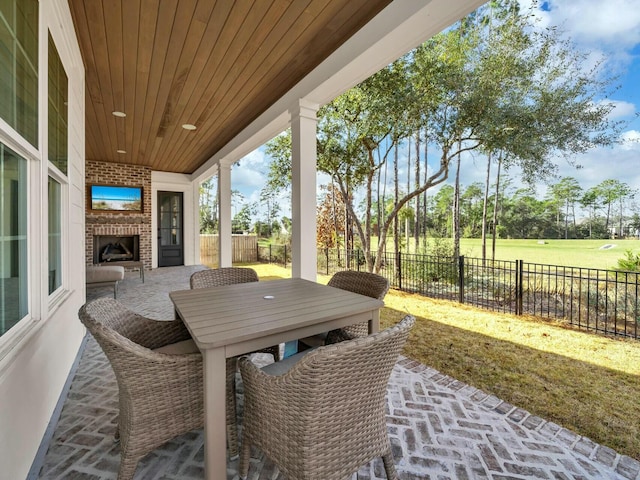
(629, 263)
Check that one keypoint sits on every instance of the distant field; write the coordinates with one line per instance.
(571, 253)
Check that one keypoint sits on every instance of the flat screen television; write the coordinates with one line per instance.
(113, 198)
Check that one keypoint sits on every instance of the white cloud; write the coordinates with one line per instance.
(607, 32)
(631, 140)
(249, 174)
(621, 109)
(618, 162)
(621, 162)
(615, 23)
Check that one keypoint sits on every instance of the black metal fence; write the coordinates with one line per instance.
(279, 254)
(604, 301)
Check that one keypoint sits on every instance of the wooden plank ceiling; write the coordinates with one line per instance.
(215, 64)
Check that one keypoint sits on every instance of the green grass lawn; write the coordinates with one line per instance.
(571, 253)
(587, 383)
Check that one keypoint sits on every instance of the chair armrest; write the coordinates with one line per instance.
(264, 382)
(154, 334)
(144, 370)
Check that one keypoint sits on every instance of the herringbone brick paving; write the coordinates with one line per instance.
(440, 428)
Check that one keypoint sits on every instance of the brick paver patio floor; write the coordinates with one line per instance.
(440, 428)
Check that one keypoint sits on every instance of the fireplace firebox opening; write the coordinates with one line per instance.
(107, 248)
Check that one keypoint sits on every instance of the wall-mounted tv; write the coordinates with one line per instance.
(112, 198)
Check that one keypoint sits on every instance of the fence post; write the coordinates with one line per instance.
(399, 269)
(358, 258)
(519, 285)
(326, 255)
(461, 278)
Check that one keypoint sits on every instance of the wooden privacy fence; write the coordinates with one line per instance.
(244, 249)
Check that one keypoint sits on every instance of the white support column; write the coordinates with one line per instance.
(303, 190)
(224, 219)
(194, 258)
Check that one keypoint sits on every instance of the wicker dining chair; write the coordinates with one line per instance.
(215, 277)
(160, 394)
(365, 283)
(325, 416)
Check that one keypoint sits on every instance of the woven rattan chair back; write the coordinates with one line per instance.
(333, 399)
(216, 277)
(160, 395)
(365, 283)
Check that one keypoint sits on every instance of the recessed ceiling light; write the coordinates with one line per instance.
(118, 114)
(121, 151)
(188, 126)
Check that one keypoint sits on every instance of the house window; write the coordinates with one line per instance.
(58, 158)
(13, 238)
(57, 116)
(55, 235)
(19, 67)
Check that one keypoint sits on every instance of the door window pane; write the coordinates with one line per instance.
(13, 238)
(55, 235)
(57, 116)
(171, 219)
(19, 66)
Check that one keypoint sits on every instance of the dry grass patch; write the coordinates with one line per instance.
(587, 383)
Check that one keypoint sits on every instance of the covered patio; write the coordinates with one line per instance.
(439, 427)
(160, 96)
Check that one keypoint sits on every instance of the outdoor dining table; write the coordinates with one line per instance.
(231, 320)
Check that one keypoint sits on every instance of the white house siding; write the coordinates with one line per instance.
(35, 359)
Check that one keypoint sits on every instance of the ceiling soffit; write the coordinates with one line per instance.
(214, 64)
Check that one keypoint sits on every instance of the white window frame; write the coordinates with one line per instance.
(60, 293)
(24, 326)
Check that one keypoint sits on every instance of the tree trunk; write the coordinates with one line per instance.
(566, 218)
(335, 219)
(383, 207)
(621, 232)
(456, 208)
(424, 201)
(378, 199)
(366, 241)
(495, 211)
(396, 194)
(484, 211)
(416, 231)
(407, 231)
(406, 224)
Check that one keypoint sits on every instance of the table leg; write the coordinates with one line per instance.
(374, 323)
(215, 445)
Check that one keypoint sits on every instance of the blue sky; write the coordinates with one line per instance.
(607, 31)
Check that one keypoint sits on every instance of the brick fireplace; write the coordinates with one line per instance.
(119, 225)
